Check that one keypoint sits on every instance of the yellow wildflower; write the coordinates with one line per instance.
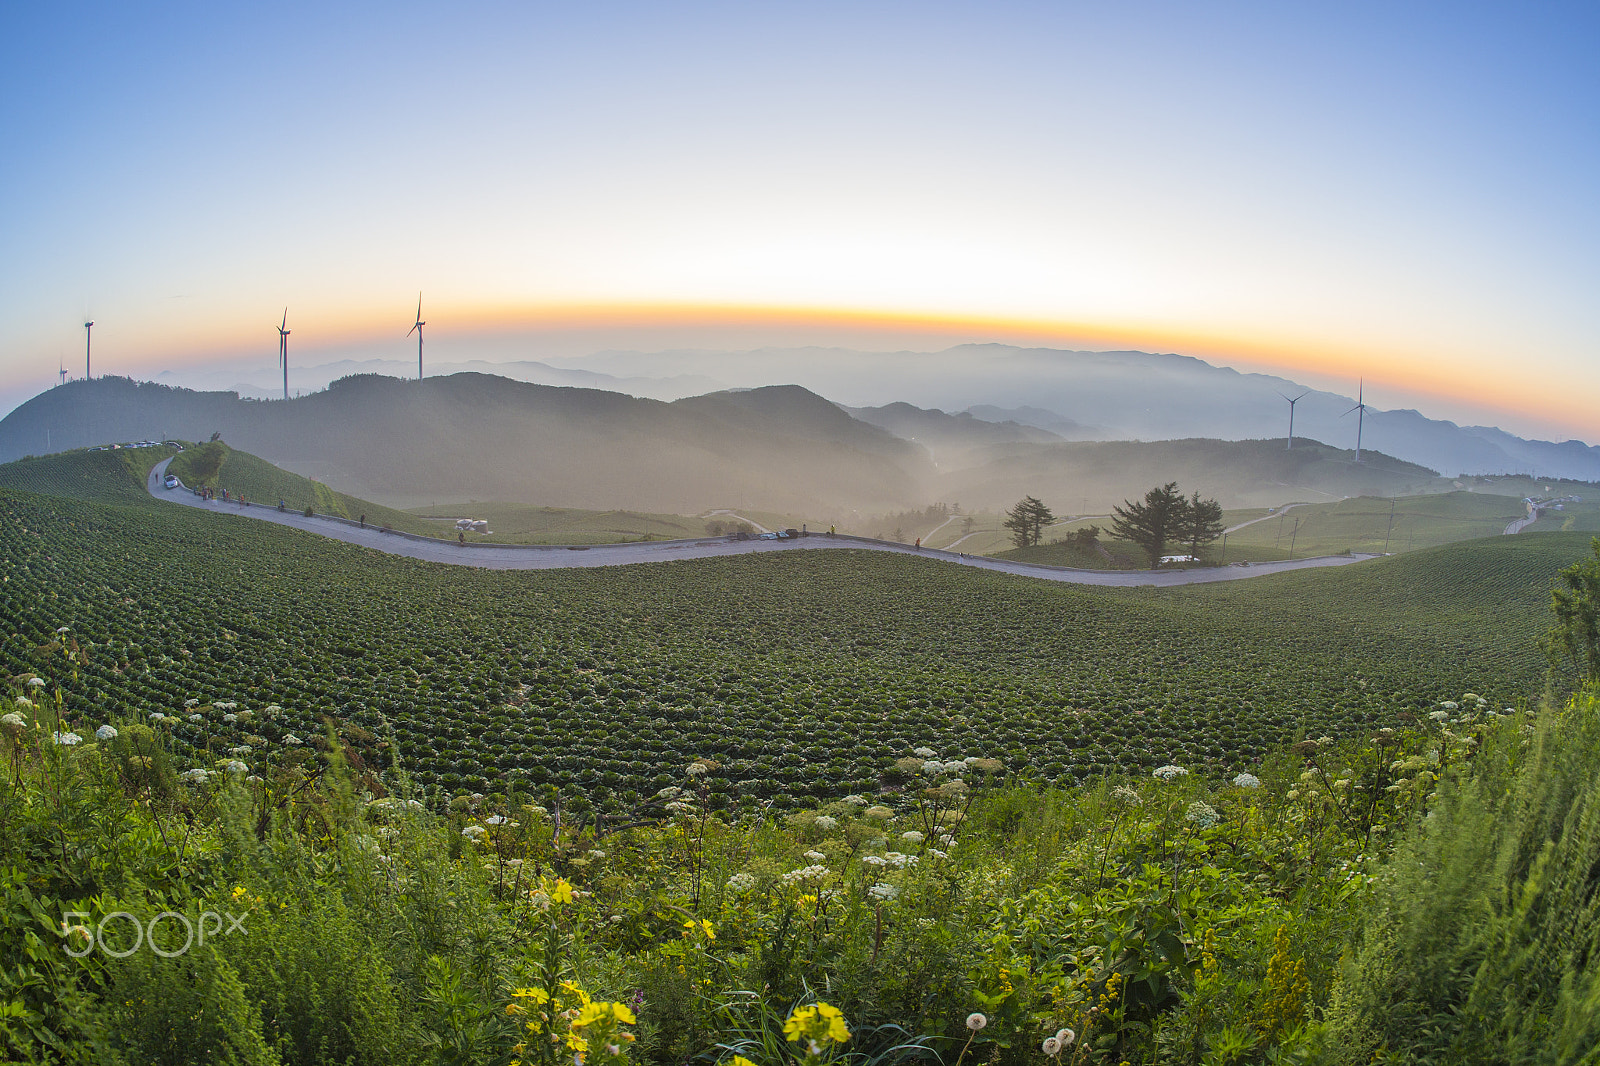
(816, 1022)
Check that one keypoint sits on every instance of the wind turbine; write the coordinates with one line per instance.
(283, 350)
(1360, 406)
(88, 349)
(417, 329)
(62, 371)
(1292, 402)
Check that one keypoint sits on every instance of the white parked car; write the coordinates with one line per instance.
(172, 481)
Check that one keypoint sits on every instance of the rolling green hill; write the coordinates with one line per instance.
(604, 680)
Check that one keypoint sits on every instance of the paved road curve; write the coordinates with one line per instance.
(555, 557)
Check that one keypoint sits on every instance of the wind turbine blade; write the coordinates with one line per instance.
(1302, 396)
(1353, 410)
(410, 331)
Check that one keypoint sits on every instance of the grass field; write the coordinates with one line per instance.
(515, 523)
(601, 680)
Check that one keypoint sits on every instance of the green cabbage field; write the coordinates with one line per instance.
(800, 674)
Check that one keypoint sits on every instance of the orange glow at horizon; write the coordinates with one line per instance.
(667, 325)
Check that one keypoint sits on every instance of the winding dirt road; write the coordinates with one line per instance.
(555, 557)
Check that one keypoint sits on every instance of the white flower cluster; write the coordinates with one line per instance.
(883, 892)
(913, 837)
(1126, 796)
(816, 856)
(36, 682)
(195, 777)
(1202, 814)
(13, 722)
(826, 823)
(234, 766)
(23, 701)
(1168, 773)
(805, 873)
(741, 883)
(68, 739)
(875, 860)
(474, 832)
(191, 702)
(899, 861)
(1247, 781)
(106, 732)
(923, 753)
(856, 801)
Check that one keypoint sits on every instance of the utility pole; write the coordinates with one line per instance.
(1390, 533)
(1293, 535)
(88, 349)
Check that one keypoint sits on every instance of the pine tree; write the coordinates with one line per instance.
(1152, 523)
(1202, 523)
(1027, 521)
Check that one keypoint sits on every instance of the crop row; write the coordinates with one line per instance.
(788, 669)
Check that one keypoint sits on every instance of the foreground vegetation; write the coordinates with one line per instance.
(158, 911)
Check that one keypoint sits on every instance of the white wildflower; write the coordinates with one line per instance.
(912, 837)
(899, 861)
(874, 860)
(1247, 781)
(197, 777)
(23, 701)
(64, 629)
(36, 682)
(856, 801)
(1202, 814)
(883, 892)
(923, 753)
(804, 873)
(68, 739)
(741, 882)
(933, 767)
(697, 769)
(1168, 773)
(106, 732)
(234, 766)
(191, 703)
(816, 856)
(474, 832)
(826, 823)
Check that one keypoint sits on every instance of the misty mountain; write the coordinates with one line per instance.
(1129, 395)
(1089, 477)
(483, 437)
(950, 439)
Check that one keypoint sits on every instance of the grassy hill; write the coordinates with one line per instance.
(217, 466)
(599, 680)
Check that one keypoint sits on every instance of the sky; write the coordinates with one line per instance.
(1401, 193)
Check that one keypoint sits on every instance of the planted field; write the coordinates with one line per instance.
(791, 670)
(1363, 524)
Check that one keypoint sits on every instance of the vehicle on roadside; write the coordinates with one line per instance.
(171, 481)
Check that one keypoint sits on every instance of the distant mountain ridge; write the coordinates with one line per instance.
(778, 448)
(1117, 395)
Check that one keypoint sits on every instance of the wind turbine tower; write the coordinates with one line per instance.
(417, 329)
(62, 372)
(88, 349)
(283, 350)
(1361, 408)
(1292, 402)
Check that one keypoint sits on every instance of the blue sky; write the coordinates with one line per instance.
(1401, 192)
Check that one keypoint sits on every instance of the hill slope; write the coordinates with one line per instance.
(774, 664)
